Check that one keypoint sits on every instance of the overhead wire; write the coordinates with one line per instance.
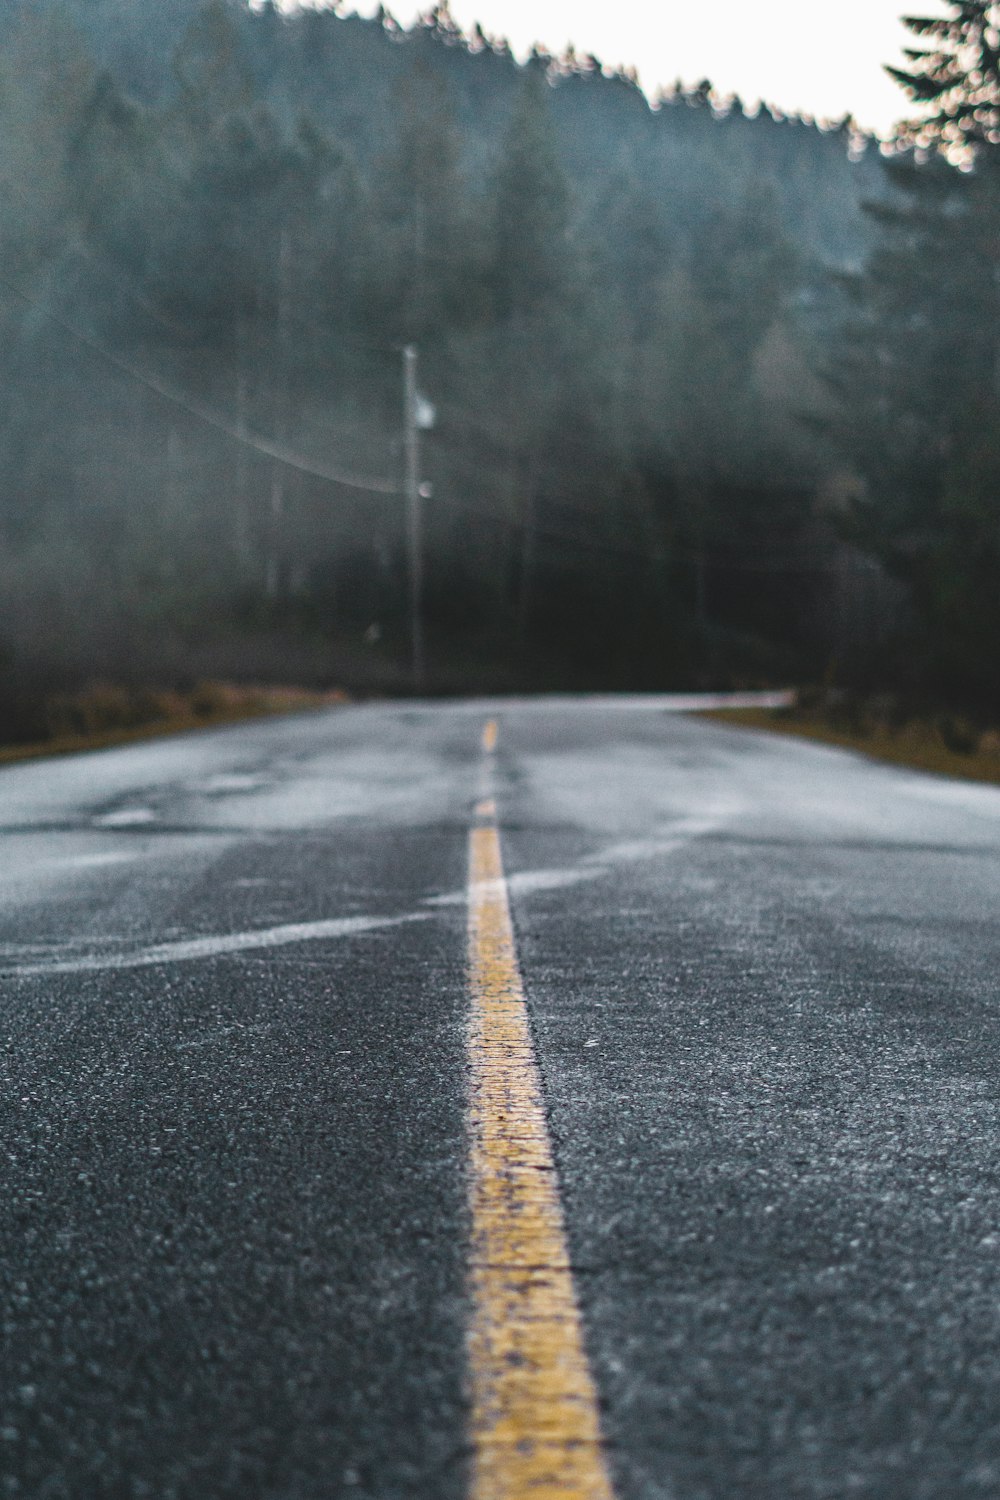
(268, 448)
(287, 456)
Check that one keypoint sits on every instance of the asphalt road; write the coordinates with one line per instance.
(762, 979)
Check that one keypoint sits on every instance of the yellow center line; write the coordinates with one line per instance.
(491, 733)
(535, 1426)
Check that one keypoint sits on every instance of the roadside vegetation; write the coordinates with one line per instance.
(104, 714)
(944, 743)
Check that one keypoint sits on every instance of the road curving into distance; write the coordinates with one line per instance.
(498, 1099)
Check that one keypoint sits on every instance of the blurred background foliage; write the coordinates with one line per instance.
(717, 393)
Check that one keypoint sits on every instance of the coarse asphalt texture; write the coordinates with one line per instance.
(762, 983)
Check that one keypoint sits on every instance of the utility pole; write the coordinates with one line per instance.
(275, 566)
(414, 513)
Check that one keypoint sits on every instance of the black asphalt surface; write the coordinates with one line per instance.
(763, 978)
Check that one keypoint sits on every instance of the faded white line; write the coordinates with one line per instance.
(128, 817)
(528, 881)
(95, 861)
(228, 784)
(634, 851)
(591, 867)
(216, 947)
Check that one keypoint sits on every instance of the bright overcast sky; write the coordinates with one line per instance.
(818, 57)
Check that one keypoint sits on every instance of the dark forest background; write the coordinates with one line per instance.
(716, 393)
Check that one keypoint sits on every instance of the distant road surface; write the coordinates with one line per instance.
(504, 1099)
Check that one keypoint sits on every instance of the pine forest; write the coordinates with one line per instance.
(706, 395)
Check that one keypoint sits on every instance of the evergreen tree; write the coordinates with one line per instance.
(47, 83)
(726, 301)
(919, 375)
(255, 204)
(532, 208)
(424, 275)
(955, 72)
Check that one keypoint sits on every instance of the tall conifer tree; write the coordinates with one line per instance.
(919, 379)
(955, 72)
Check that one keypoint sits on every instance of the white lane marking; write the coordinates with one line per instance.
(591, 867)
(231, 783)
(526, 882)
(128, 817)
(215, 947)
(633, 851)
(93, 861)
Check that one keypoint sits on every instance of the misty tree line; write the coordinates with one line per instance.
(645, 332)
(916, 372)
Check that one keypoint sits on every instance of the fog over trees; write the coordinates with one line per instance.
(694, 370)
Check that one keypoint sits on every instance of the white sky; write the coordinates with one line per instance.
(818, 57)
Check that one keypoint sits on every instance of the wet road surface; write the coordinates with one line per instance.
(761, 983)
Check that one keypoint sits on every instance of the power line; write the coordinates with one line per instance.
(279, 452)
(282, 454)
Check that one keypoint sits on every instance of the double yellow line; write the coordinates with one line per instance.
(535, 1426)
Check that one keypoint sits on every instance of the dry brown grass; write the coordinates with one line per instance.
(106, 714)
(918, 743)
